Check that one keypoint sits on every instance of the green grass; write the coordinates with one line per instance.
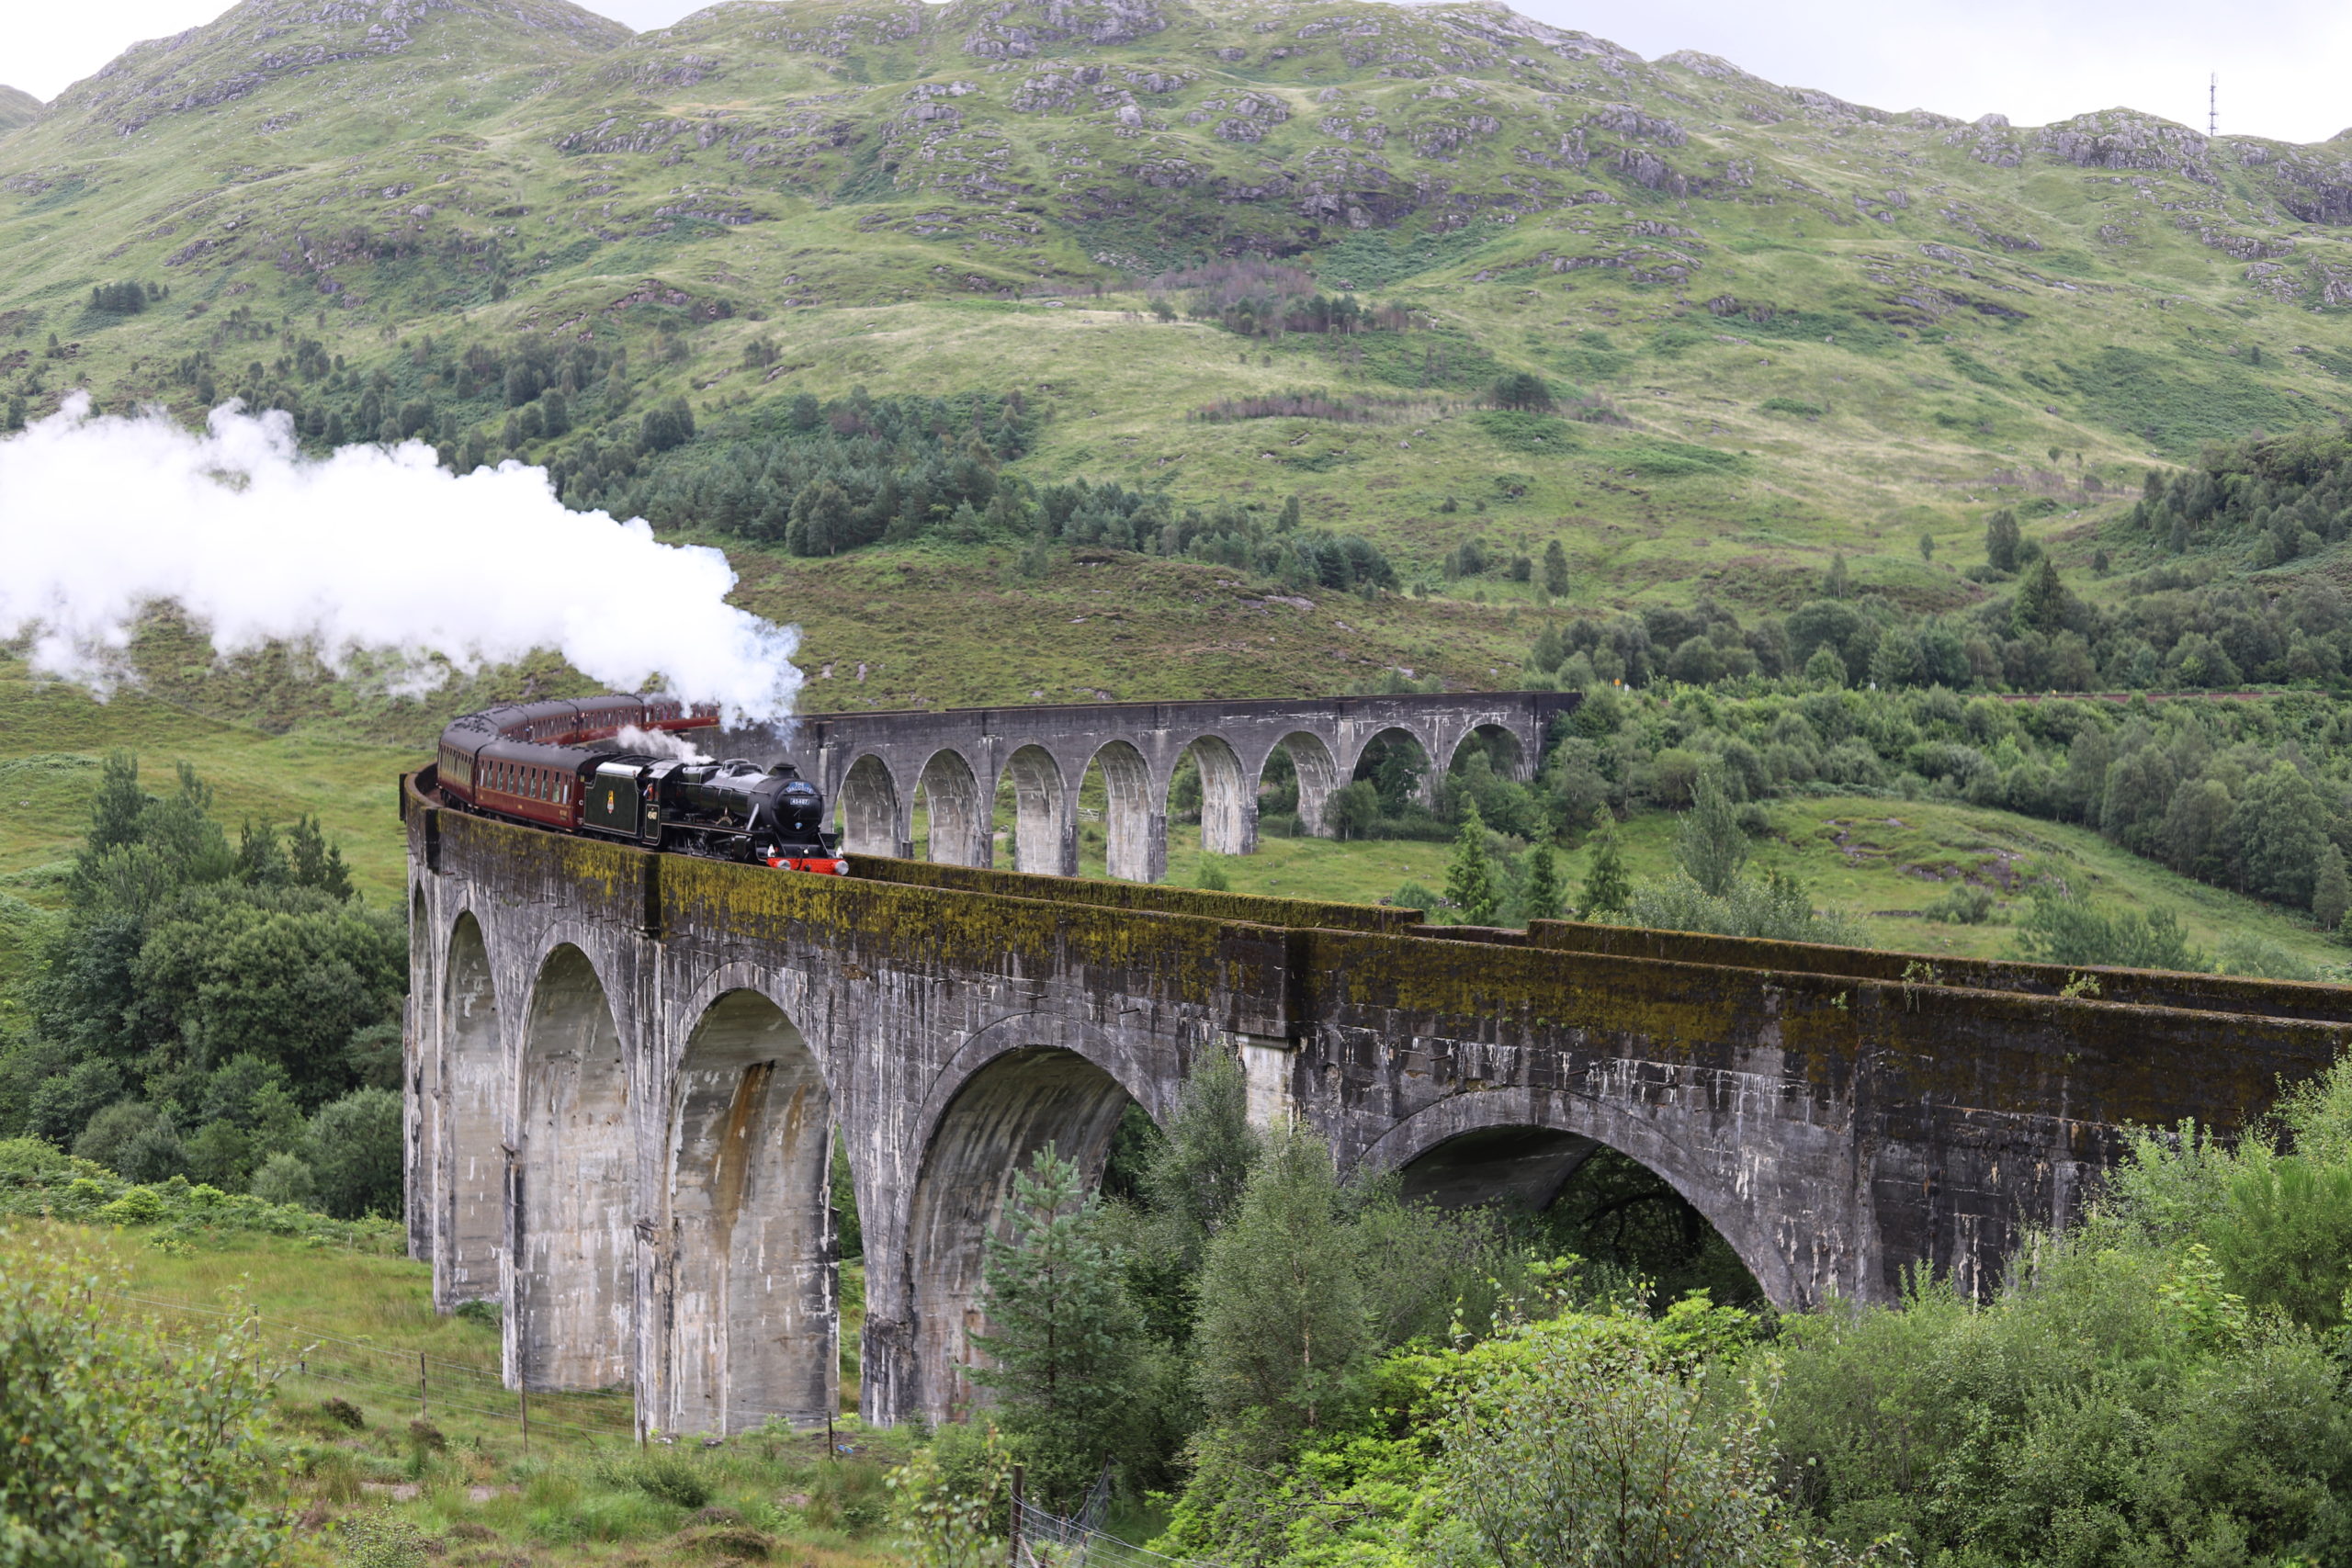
(1881, 860)
(56, 734)
(1884, 860)
(345, 1325)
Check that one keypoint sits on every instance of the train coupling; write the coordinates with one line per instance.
(822, 867)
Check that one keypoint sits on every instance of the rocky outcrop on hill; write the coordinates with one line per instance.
(1198, 126)
(259, 43)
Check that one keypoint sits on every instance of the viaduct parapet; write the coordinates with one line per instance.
(627, 1074)
(875, 764)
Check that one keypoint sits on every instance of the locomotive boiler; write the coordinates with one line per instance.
(570, 766)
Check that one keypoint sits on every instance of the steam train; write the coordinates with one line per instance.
(564, 765)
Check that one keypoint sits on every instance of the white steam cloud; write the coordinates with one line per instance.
(660, 743)
(368, 550)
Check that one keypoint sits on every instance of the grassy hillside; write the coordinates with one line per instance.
(339, 1324)
(1797, 325)
(1884, 861)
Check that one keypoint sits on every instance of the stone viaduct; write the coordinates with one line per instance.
(627, 1074)
(874, 766)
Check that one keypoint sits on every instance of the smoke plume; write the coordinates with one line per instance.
(660, 743)
(368, 550)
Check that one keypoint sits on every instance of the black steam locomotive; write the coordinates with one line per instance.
(564, 765)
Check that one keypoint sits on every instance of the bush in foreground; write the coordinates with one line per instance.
(123, 1447)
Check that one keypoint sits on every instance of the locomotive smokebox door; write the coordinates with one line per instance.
(612, 802)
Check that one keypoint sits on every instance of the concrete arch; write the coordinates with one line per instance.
(1015, 1088)
(1502, 745)
(874, 820)
(1045, 836)
(1768, 1255)
(1136, 820)
(1318, 775)
(960, 830)
(752, 1280)
(574, 1234)
(473, 1079)
(1229, 803)
(1432, 763)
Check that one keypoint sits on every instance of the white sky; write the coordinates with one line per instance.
(2282, 62)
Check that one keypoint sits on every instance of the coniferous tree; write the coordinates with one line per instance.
(260, 859)
(1470, 885)
(2042, 600)
(317, 862)
(1282, 1319)
(1555, 570)
(1194, 1178)
(1709, 844)
(1607, 888)
(1540, 899)
(2002, 540)
(1066, 1342)
(116, 812)
(2331, 889)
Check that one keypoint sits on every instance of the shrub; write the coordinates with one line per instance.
(285, 1179)
(1581, 1448)
(356, 1150)
(124, 1447)
(2065, 928)
(1354, 812)
(673, 1478)
(1519, 390)
(379, 1538)
(1966, 905)
(112, 1130)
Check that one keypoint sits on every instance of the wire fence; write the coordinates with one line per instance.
(430, 1385)
(1042, 1539)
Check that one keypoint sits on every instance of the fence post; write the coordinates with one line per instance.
(422, 1412)
(1012, 1551)
(526, 1393)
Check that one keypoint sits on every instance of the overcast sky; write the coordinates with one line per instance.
(2282, 62)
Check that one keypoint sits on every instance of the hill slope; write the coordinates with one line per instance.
(1795, 325)
(16, 108)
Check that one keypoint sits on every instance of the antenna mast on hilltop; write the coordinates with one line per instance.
(2214, 104)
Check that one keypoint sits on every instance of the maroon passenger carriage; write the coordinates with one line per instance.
(564, 765)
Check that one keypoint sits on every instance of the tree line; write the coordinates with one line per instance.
(228, 1012)
(2277, 498)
